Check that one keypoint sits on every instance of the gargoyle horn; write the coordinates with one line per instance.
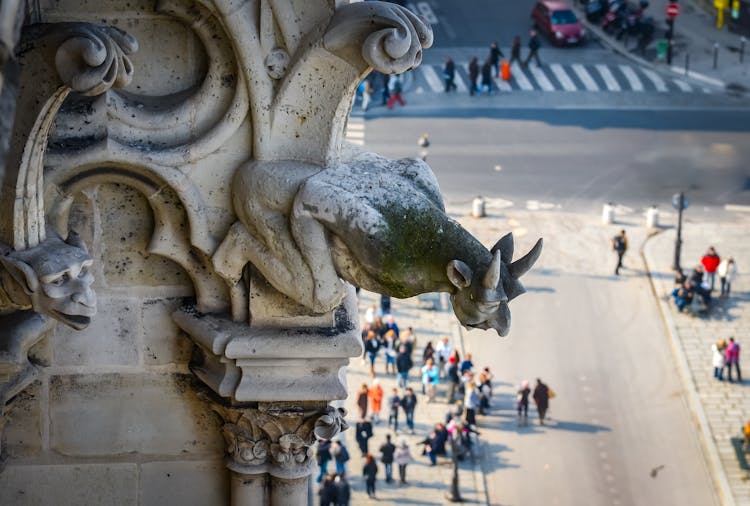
(492, 276)
(505, 246)
(523, 264)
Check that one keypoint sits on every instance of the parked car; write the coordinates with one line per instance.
(558, 22)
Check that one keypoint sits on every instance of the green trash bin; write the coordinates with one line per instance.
(661, 49)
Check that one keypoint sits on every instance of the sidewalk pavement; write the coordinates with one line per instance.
(695, 36)
(721, 408)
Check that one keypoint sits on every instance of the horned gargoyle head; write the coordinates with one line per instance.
(482, 294)
(56, 279)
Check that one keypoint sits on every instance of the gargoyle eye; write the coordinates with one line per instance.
(82, 273)
(60, 280)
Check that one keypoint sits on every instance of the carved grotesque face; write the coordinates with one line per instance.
(56, 276)
(482, 295)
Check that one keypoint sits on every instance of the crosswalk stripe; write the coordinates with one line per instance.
(656, 79)
(609, 79)
(562, 76)
(503, 85)
(585, 77)
(433, 81)
(541, 79)
(520, 77)
(682, 85)
(633, 81)
(460, 84)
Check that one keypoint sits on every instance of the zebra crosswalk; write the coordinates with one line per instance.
(355, 129)
(562, 77)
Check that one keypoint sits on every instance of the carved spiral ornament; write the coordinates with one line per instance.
(331, 423)
(94, 59)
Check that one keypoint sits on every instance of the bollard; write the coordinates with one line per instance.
(716, 54)
(687, 64)
(652, 217)
(608, 213)
(477, 208)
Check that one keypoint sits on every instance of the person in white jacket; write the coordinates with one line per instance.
(727, 272)
(403, 458)
(718, 361)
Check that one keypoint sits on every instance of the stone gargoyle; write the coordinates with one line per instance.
(379, 224)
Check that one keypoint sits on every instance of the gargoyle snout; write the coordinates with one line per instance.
(84, 295)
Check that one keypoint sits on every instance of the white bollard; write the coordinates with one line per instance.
(608, 213)
(477, 208)
(652, 217)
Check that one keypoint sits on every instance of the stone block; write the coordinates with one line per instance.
(100, 415)
(163, 342)
(111, 339)
(184, 483)
(69, 485)
(22, 432)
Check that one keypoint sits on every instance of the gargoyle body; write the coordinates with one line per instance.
(376, 223)
(52, 278)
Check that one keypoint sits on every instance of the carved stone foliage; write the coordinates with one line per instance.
(277, 438)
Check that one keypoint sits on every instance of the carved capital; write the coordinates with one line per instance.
(277, 438)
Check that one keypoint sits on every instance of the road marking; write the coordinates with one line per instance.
(562, 76)
(656, 79)
(461, 86)
(426, 12)
(585, 77)
(502, 85)
(630, 75)
(355, 130)
(541, 79)
(682, 85)
(433, 81)
(609, 79)
(520, 77)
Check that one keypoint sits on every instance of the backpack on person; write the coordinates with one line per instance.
(618, 243)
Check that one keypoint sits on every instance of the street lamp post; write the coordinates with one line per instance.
(680, 202)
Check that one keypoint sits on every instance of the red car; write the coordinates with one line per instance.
(558, 22)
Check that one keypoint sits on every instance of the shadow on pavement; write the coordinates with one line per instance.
(576, 426)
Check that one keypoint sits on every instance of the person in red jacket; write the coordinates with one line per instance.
(710, 261)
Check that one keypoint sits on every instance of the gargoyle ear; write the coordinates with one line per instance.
(75, 240)
(22, 273)
(459, 273)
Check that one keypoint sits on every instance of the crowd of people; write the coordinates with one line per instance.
(726, 356)
(693, 292)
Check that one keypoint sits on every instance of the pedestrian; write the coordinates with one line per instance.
(428, 353)
(402, 458)
(403, 365)
(515, 50)
(710, 262)
(449, 75)
(533, 49)
(394, 402)
(522, 403)
(443, 350)
(375, 396)
(385, 300)
(619, 246)
(453, 379)
(386, 94)
(390, 352)
(424, 143)
(367, 94)
(486, 82)
(340, 456)
(386, 457)
(682, 295)
(733, 359)
(727, 272)
(409, 404)
(343, 490)
(746, 436)
(541, 397)
(409, 339)
(372, 345)
(370, 471)
(327, 492)
(362, 400)
(699, 287)
(430, 379)
(718, 359)
(323, 457)
(466, 364)
(396, 87)
(494, 58)
(471, 402)
(473, 75)
(363, 435)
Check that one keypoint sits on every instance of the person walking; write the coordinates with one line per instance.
(727, 272)
(718, 359)
(396, 87)
(340, 456)
(327, 492)
(620, 246)
(710, 262)
(473, 75)
(343, 490)
(444, 349)
(375, 396)
(453, 379)
(430, 379)
(386, 457)
(486, 82)
(494, 58)
(449, 75)
(471, 401)
(386, 93)
(409, 404)
(402, 458)
(367, 92)
(372, 345)
(363, 435)
(733, 359)
(403, 365)
(424, 144)
(394, 402)
(362, 400)
(541, 399)
(370, 471)
(533, 49)
(323, 457)
(522, 402)
(515, 50)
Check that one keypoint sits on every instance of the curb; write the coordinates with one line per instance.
(691, 392)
